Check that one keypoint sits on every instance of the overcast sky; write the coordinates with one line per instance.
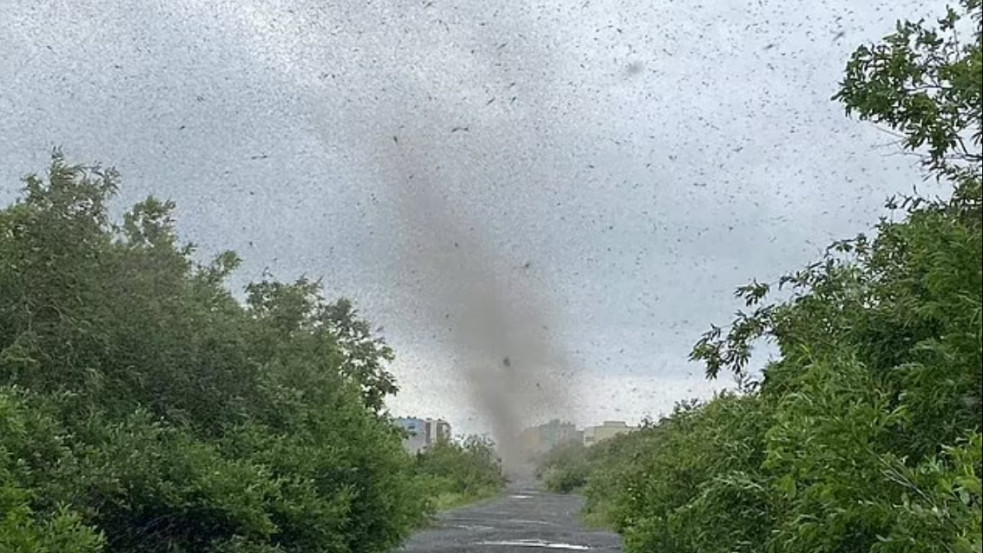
(627, 164)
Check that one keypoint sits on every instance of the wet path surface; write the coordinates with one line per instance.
(524, 519)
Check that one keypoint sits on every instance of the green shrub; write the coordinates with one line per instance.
(151, 487)
(694, 485)
(564, 468)
(455, 472)
(32, 451)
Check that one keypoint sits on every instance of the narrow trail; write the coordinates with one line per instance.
(524, 519)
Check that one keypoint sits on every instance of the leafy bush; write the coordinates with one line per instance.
(458, 472)
(32, 447)
(564, 468)
(693, 480)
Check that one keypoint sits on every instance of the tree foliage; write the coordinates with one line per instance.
(145, 409)
(865, 434)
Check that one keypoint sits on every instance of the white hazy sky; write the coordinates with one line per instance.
(627, 163)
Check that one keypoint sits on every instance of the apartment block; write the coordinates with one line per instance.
(606, 430)
(423, 433)
(540, 439)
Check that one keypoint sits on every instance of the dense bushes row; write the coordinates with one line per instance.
(565, 467)
(458, 472)
(865, 435)
(143, 409)
(808, 470)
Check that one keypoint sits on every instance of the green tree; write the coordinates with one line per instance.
(865, 434)
(181, 419)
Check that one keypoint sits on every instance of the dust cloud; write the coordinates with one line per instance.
(498, 321)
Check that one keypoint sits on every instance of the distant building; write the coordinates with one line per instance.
(608, 429)
(415, 428)
(437, 429)
(542, 438)
(423, 433)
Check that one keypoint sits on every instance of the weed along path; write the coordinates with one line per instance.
(525, 519)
